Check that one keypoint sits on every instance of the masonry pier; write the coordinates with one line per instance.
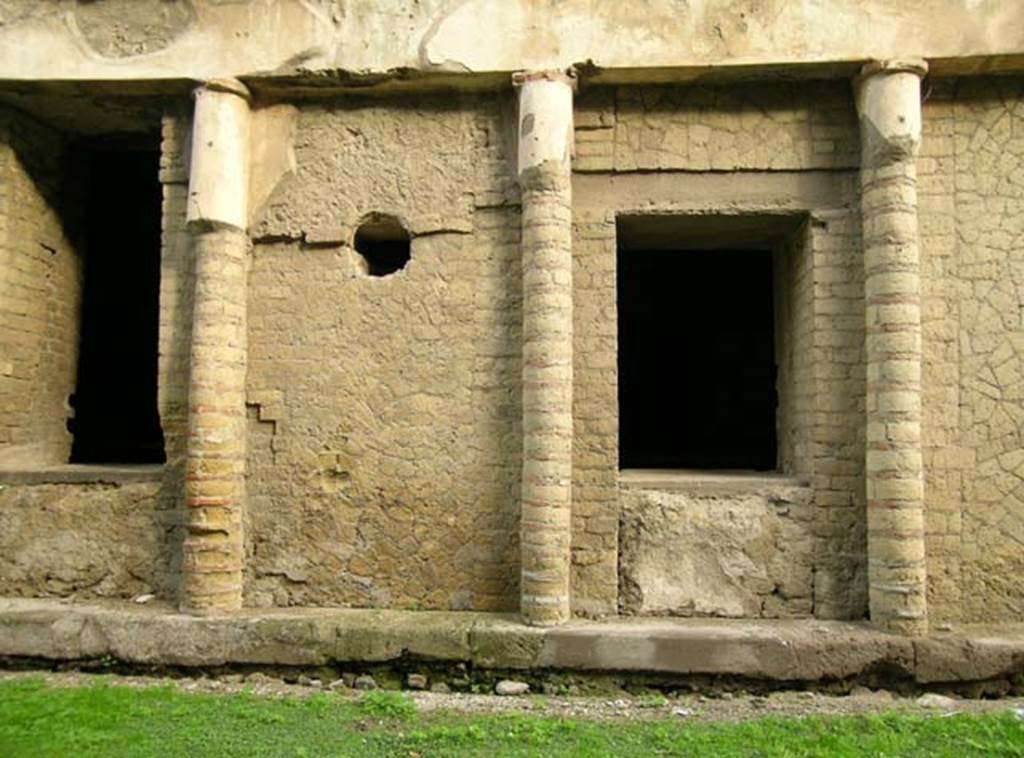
(213, 550)
(889, 104)
(545, 144)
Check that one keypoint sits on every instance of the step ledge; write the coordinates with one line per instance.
(779, 650)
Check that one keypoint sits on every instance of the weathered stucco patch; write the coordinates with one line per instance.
(125, 28)
(737, 549)
(272, 152)
(408, 161)
(85, 541)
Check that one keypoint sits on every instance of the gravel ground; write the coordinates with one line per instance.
(723, 707)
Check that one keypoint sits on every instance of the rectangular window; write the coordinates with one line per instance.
(115, 400)
(697, 371)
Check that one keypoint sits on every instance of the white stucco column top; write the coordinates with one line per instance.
(889, 100)
(545, 117)
(218, 186)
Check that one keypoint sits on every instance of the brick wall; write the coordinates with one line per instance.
(809, 125)
(837, 471)
(794, 340)
(662, 150)
(595, 503)
(176, 283)
(40, 291)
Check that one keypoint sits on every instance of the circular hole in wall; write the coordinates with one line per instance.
(383, 243)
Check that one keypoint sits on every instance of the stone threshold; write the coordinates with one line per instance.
(708, 482)
(766, 650)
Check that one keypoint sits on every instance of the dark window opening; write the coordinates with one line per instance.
(383, 243)
(696, 359)
(115, 402)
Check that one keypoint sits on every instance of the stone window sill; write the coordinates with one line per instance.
(711, 482)
(82, 473)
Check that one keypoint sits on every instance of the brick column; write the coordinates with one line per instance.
(545, 142)
(215, 471)
(889, 104)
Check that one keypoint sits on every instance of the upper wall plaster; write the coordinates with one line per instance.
(779, 126)
(199, 39)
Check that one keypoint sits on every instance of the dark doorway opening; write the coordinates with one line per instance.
(696, 359)
(115, 401)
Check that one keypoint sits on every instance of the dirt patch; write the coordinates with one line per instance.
(722, 707)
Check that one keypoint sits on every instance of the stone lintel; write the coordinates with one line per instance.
(917, 66)
(228, 86)
(565, 76)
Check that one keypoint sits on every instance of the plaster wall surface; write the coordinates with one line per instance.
(40, 294)
(198, 39)
(972, 225)
(384, 433)
(989, 151)
(940, 369)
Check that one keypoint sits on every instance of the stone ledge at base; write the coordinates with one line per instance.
(790, 650)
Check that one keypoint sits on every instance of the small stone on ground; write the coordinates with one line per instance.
(511, 687)
(365, 682)
(934, 700)
(860, 691)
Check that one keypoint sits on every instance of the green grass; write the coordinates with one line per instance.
(37, 720)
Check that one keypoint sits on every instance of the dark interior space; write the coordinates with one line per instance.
(384, 244)
(115, 401)
(696, 359)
